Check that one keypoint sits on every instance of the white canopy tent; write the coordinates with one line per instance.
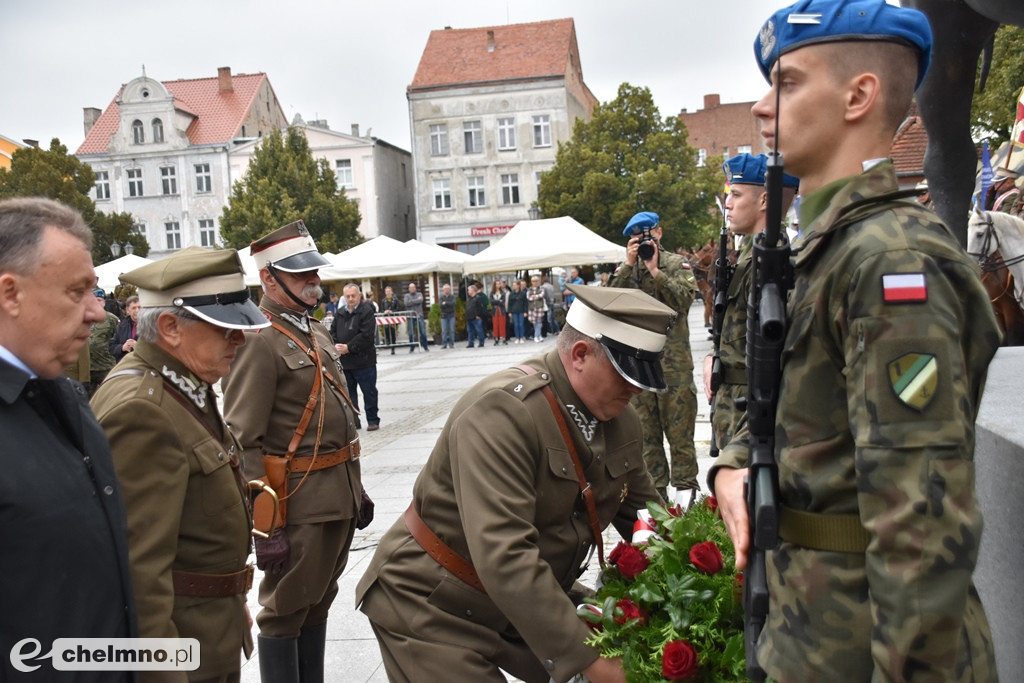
(545, 243)
(108, 274)
(386, 257)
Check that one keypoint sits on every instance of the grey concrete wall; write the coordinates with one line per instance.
(999, 464)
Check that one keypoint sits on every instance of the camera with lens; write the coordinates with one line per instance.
(642, 224)
(645, 248)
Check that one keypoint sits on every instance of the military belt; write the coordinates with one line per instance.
(818, 531)
(198, 585)
(456, 564)
(734, 376)
(321, 461)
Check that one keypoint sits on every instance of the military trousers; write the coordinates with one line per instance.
(302, 595)
(670, 415)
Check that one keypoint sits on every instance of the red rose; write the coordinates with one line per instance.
(629, 612)
(706, 557)
(629, 559)
(675, 511)
(712, 503)
(679, 661)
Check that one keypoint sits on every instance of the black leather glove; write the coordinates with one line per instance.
(272, 553)
(365, 511)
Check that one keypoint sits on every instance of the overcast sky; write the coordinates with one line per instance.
(349, 62)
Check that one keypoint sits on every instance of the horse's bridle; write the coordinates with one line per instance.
(992, 260)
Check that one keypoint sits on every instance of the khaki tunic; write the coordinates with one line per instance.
(847, 443)
(500, 489)
(185, 507)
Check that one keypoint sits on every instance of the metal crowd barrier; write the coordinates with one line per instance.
(407, 320)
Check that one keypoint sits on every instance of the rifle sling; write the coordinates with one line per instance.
(827, 532)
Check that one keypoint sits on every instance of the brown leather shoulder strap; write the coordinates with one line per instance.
(314, 393)
(585, 489)
(456, 564)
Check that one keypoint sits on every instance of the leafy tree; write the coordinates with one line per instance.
(626, 159)
(283, 184)
(994, 110)
(55, 174)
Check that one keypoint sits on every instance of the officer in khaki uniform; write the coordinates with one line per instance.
(889, 337)
(475, 577)
(671, 413)
(177, 462)
(745, 207)
(265, 398)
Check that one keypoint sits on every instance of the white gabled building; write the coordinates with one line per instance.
(488, 107)
(160, 150)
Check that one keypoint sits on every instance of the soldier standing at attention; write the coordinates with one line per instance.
(178, 464)
(494, 521)
(889, 338)
(285, 400)
(671, 413)
(745, 208)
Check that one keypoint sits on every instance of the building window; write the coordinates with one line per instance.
(439, 140)
(509, 188)
(169, 179)
(173, 231)
(203, 183)
(744, 149)
(476, 190)
(158, 130)
(542, 131)
(134, 176)
(343, 169)
(702, 157)
(138, 133)
(473, 134)
(139, 229)
(207, 233)
(507, 133)
(102, 185)
(442, 194)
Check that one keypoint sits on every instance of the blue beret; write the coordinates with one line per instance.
(98, 292)
(747, 169)
(645, 220)
(809, 22)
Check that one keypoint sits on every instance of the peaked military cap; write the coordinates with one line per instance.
(645, 220)
(208, 283)
(810, 22)
(631, 326)
(747, 169)
(290, 248)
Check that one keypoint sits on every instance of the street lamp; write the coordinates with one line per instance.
(534, 212)
(115, 249)
(129, 248)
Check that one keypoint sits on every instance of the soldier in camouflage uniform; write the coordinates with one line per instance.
(745, 206)
(668, 278)
(889, 339)
(100, 334)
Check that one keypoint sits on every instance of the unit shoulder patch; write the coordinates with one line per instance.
(914, 378)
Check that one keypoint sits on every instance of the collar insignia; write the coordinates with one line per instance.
(300, 321)
(197, 393)
(587, 426)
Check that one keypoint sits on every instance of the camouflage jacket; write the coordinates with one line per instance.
(881, 383)
(729, 417)
(676, 287)
(99, 337)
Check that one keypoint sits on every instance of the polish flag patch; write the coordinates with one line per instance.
(904, 288)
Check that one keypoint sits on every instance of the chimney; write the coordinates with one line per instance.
(224, 80)
(355, 130)
(712, 101)
(490, 41)
(89, 116)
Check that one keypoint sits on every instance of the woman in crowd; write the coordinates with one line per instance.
(517, 309)
(499, 310)
(537, 309)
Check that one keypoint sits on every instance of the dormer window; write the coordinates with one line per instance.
(138, 133)
(158, 130)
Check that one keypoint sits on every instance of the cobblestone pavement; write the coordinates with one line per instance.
(416, 392)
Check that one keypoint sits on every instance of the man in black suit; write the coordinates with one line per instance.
(64, 555)
(352, 330)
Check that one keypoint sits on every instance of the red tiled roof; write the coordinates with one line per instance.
(908, 147)
(521, 51)
(218, 116)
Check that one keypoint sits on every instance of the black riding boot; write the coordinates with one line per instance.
(312, 640)
(279, 660)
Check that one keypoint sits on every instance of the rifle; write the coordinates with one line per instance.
(723, 276)
(771, 279)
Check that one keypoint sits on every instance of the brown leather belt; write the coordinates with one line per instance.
(456, 564)
(307, 463)
(197, 585)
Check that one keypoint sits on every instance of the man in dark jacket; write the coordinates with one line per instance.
(352, 330)
(127, 333)
(64, 555)
(476, 308)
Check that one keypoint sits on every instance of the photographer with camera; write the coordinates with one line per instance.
(672, 413)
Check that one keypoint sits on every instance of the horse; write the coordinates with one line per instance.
(961, 29)
(991, 235)
(702, 264)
